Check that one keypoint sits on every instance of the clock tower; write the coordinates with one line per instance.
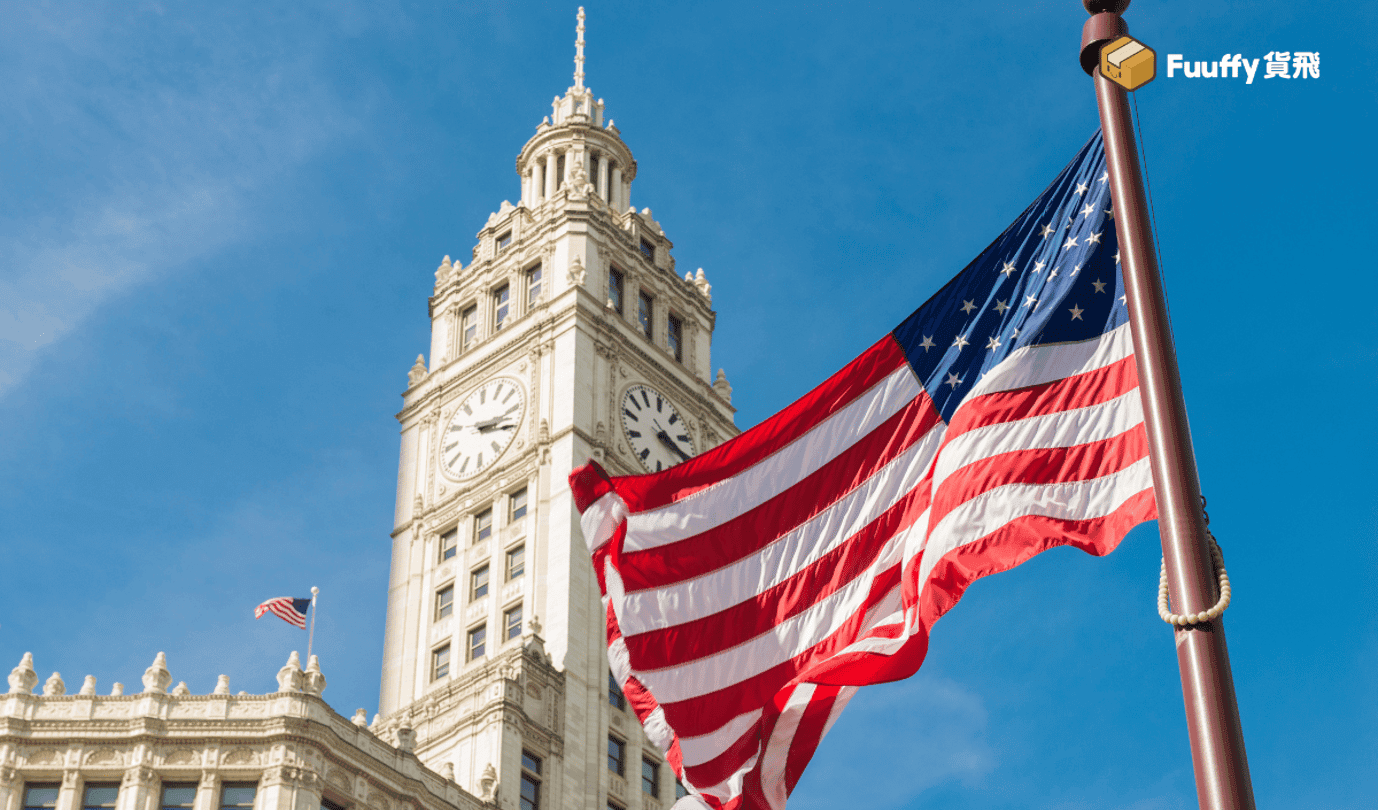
(569, 335)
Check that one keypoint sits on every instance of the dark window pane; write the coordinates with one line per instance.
(483, 525)
(478, 638)
(531, 762)
(674, 337)
(237, 795)
(512, 619)
(643, 313)
(650, 778)
(531, 793)
(38, 796)
(440, 662)
(449, 542)
(178, 796)
(680, 791)
(519, 504)
(615, 697)
(615, 290)
(647, 249)
(616, 749)
(516, 562)
(99, 797)
(478, 581)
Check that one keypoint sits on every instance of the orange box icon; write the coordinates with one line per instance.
(1128, 63)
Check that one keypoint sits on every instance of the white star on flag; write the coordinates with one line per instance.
(1000, 307)
(1088, 210)
(968, 306)
(1008, 268)
(993, 343)
(953, 380)
(1099, 285)
(1071, 243)
(1030, 301)
(1081, 188)
(1046, 231)
(960, 343)
(1093, 239)
(927, 343)
(1076, 312)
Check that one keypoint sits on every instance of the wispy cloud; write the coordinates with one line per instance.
(137, 139)
(937, 724)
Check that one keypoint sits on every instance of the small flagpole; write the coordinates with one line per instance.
(1217, 740)
(311, 634)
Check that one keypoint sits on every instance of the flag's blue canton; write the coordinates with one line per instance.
(1051, 277)
(300, 605)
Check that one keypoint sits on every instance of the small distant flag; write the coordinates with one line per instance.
(290, 610)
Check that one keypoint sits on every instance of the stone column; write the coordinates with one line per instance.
(9, 788)
(207, 791)
(139, 789)
(289, 787)
(68, 795)
(615, 192)
(603, 178)
(550, 174)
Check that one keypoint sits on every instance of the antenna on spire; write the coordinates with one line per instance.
(579, 53)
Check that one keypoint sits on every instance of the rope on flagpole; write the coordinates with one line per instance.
(1218, 559)
(311, 634)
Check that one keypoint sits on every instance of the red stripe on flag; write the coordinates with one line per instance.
(757, 528)
(652, 491)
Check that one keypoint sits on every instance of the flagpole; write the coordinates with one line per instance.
(1217, 741)
(311, 634)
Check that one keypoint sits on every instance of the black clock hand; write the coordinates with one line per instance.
(670, 443)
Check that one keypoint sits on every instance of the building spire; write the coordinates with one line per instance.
(579, 53)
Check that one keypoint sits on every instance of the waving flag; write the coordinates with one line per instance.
(287, 608)
(751, 589)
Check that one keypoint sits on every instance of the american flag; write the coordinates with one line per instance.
(287, 608)
(750, 590)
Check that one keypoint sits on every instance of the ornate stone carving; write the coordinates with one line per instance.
(315, 681)
(577, 274)
(488, 783)
(157, 678)
(222, 685)
(88, 685)
(406, 739)
(23, 678)
(182, 690)
(105, 756)
(241, 756)
(417, 372)
(183, 756)
(290, 677)
(139, 775)
(360, 719)
(116, 689)
(705, 289)
(722, 387)
(54, 685)
(46, 756)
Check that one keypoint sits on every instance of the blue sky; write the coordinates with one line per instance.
(220, 224)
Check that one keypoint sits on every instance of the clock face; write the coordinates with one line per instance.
(482, 427)
(655, 430)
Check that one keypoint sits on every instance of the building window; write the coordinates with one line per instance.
(674, 337)
(533, 286)
(516, 506)
(440, 662)
(180, 796)
(478, 583)
(560, 172)
(40, 797)
(648, 250)
(237, 795)
(531, 782)
(617, 756)
(478, 642)
(468, 327)
(512, 622)
(615, 290)
(680, 790)
(444, 603)
(505, 240)
(326, 804)
(449, 544)
(516, 562)
(615, 697)
(100, 797)
(593, 171)
(501, 306)
(643, 313)
(483, 525)
(612, 805)
(650, 778)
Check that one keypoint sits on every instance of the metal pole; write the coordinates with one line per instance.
(311, 634)
(1217, 741)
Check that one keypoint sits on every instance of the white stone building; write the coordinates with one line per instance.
(568, 336)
